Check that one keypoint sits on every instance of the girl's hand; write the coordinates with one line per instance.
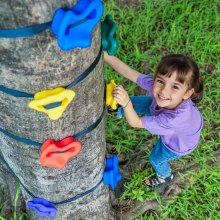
(120, 95)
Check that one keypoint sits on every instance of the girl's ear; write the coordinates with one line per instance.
(188, 93)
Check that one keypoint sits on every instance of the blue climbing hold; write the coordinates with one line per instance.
(42, 207)
(111, 174)
(73, 28)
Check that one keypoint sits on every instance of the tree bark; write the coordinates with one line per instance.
(33, 64)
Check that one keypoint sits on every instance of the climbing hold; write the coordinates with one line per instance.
(42, 207)
(109, 98)
(109, 41)
(73, 28)
(57, 153)
(111, 174)
(52, 102)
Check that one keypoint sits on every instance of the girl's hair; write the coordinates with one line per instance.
(187, 72)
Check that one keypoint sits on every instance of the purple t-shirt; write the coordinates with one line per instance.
(179, 128)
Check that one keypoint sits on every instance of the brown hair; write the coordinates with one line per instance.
(187, 72)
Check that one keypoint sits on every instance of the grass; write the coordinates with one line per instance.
(23, 216)
(148, 30)
(203, 196)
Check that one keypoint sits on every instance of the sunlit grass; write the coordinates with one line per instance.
(147, 31)
(201, 200)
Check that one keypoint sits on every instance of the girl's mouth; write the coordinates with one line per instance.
(163, 98)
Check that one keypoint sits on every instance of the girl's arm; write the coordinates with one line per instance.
(121, 96)
(162, 124)
(121, 67)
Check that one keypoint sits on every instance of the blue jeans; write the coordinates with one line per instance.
(141, 105)
(159, 159)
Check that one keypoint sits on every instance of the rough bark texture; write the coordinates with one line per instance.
(36, 63)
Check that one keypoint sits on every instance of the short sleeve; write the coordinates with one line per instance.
(145, 82)
(159, 125)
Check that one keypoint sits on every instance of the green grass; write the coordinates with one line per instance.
(147, 31)
(23, 216)
(124, 139)
(203, 196)
(16, 199)
(199, 202)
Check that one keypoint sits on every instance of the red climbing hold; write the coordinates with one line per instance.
(57, 153)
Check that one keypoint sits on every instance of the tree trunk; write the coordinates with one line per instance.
(33, 64)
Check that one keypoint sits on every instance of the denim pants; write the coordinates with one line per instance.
(141, 105)
(159, 159)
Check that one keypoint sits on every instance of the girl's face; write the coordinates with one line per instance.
(168, 92)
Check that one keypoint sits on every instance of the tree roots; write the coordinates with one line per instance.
(129, 210)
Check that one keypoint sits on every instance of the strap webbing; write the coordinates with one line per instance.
(17, 93)
(76, 136)
(91, 127)
(25, 31)
(55, 203)
(20, 139)
(16, 177)
(78, 196)
(87, 71)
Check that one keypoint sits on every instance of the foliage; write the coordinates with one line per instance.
(148, 30)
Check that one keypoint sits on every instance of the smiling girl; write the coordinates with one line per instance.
(174, 92)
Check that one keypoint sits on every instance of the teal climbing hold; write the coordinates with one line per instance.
(109, 41)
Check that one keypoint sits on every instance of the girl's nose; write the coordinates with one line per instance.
(165, 89)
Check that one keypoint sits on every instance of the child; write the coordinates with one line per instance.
(175, 89)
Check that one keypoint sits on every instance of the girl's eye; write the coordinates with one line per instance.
(160, 81)
(175, 87)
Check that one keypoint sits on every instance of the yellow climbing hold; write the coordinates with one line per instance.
(52, 102)
(109, 98)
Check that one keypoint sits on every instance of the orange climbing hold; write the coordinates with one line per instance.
(57, 153)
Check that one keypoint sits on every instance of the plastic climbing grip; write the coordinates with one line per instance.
(42, 207)
(109, 98)
(73, 28)
(57, 153)
(111, 174)
(109, 41)
(52, 102)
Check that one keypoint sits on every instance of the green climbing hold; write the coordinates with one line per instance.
(109, 41)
